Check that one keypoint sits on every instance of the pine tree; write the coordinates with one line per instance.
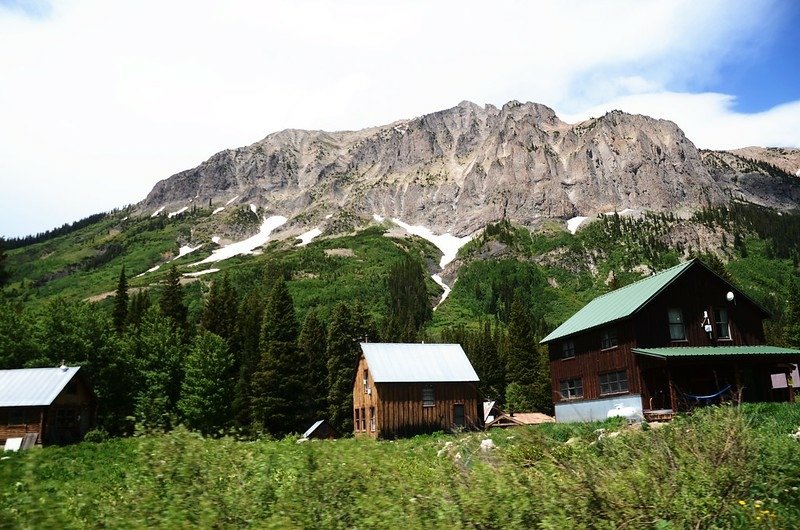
(492, 368)
(408, 302)
(278, 385)
(521, 360)
(171, 301)
(207, 388)
(313, 344)
(4, 275)
(245, 347)
(120, 313)
(140, 303)
(157, 348)
(342, 358)
(220, 309)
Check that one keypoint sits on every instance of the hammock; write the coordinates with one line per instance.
(708, 398)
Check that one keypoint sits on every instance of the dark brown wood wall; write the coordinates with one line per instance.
(698, 290)
(591, 360)
(400, 410)
(32, 421)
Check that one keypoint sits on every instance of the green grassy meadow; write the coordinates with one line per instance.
(722, 467)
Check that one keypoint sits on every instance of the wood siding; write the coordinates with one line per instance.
(590, 361)
(399, 410)
(16, 422)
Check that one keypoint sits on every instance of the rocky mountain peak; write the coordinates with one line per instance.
(460, 168)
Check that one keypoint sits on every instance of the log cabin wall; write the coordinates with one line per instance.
(591, 361)
(401, 411)
(16, 422)
(365, 402)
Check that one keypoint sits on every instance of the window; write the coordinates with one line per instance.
(721, 319)
(363, 419)
(356, 419)
(366, 381)
(608, 338)
(427, 396)
(614, 382)
(571, 388)
(372, 419)
(677, 329)
(568, 349)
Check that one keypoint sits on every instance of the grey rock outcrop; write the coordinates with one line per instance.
(458, 169)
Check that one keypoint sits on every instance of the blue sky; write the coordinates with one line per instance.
(769, 74)
(99, 100)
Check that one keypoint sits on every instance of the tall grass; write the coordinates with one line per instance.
(723, 467)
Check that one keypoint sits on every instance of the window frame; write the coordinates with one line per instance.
(718, 322)
(674, 324)
(356, 419)
(609, 338)
(428, 395)
(571, 385)
(363, 419)
(366, 381)
(568, 349)
(372, 419)
(618, 385)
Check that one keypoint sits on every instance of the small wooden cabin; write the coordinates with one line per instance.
(55, 404)
(680, 337)
(406, 389)
(320, 430)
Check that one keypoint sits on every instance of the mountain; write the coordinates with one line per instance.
(458, 169)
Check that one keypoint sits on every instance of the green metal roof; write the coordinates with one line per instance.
(617, 304)
(714, 351)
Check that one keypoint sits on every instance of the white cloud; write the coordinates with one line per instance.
(99, 100)
(709, 120)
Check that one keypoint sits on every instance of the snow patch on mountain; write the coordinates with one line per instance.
(199, 273)
(177, 212)
(246, 246)
(217, 210)
(186, 249)
(306, 238)
(157, 212)
(230, 201)
(574, 223)
(447, 243)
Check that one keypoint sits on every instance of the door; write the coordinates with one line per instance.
(458, 415)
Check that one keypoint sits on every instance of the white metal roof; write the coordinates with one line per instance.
(32, 387)
(417, 363)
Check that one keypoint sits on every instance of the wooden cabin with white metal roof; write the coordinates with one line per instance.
(679, 337)
(45, 405)
(407, 389)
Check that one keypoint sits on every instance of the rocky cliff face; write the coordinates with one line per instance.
(458, 169)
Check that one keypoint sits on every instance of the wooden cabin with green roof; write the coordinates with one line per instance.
(654, 347)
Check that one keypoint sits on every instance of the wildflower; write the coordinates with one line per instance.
(742, 503)
(758, 504)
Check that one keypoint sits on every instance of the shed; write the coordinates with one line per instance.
(320, 430)
(55, 405)
(519, 418)
(406, 389)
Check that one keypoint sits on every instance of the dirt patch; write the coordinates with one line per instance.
(344, 252)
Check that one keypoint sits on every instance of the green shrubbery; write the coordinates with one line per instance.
(722, 467)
